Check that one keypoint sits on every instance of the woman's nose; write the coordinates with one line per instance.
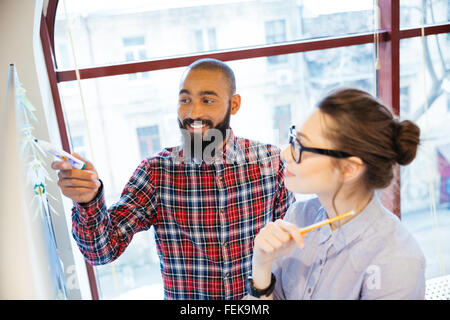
(286, 154)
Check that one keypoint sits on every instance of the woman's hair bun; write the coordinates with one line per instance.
(406, 139)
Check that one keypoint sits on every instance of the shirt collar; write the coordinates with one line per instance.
(233, 151)
(353, 229)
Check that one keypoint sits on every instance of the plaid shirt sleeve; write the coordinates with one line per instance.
(284, 198)
(103, 234)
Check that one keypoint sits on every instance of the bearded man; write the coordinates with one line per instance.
(207, 198)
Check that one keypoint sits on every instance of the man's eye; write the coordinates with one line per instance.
(207, 101)
(184, 100)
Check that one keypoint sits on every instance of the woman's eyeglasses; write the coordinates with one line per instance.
(297, 148)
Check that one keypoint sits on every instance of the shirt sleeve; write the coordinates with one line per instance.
(278, 292)
(400, 279)
(277, 268)
(284, 198)
(103, 234)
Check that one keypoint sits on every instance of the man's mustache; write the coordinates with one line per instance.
(189, 121)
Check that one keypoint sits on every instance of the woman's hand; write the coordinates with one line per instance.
(275, 240)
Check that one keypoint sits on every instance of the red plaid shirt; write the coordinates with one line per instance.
(205, 216)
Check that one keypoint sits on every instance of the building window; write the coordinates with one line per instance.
(404, 99)
(276, 33)
(79, 145)
(424, 191)
(135, 50)
(148, 140)
(205, 39)
(281, 122)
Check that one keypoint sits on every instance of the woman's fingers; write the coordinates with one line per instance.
(265, 245)
(275, 240)
(276, 236)
(278, 232)
(292, 231)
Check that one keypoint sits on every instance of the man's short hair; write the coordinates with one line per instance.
(216, 65)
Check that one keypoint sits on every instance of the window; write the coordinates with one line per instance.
(275, 33)
(405, 98)
(135, 50)
(79, 146)
(219, 25)
(281, 123)
(205, 39)
(65, 59)
(285, 54)
(135, 275)
(412, 12)
(148, 140)
(428, 176)
(212, 41)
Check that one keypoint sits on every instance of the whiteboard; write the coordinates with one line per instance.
(29, 264)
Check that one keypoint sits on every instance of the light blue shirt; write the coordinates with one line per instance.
(372, 256)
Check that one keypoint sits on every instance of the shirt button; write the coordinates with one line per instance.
(320, 262)
(309, 290)
(222, 210)
(225, 244)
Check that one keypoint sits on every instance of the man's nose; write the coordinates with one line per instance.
(196, 111)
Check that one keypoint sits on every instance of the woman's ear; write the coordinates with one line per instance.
(353, 169)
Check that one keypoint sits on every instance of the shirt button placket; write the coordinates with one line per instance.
(317, 272)
(309, 291)
(224, 234)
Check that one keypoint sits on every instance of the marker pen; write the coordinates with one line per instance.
(74, 162)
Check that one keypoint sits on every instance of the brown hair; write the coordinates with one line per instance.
(362, 126)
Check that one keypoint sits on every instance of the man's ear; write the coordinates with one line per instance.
(353, 168)
(235, 103)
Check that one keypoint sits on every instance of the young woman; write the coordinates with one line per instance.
(344, 151)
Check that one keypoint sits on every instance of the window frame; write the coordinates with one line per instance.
(388, 89)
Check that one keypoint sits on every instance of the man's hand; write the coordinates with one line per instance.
(79, 185)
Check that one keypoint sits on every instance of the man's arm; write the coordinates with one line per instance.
(103, 234)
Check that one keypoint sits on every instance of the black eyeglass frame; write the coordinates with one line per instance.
(327, 152)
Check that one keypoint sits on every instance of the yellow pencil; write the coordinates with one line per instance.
(328, 221)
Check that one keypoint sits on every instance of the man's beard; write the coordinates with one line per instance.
(200, 146)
